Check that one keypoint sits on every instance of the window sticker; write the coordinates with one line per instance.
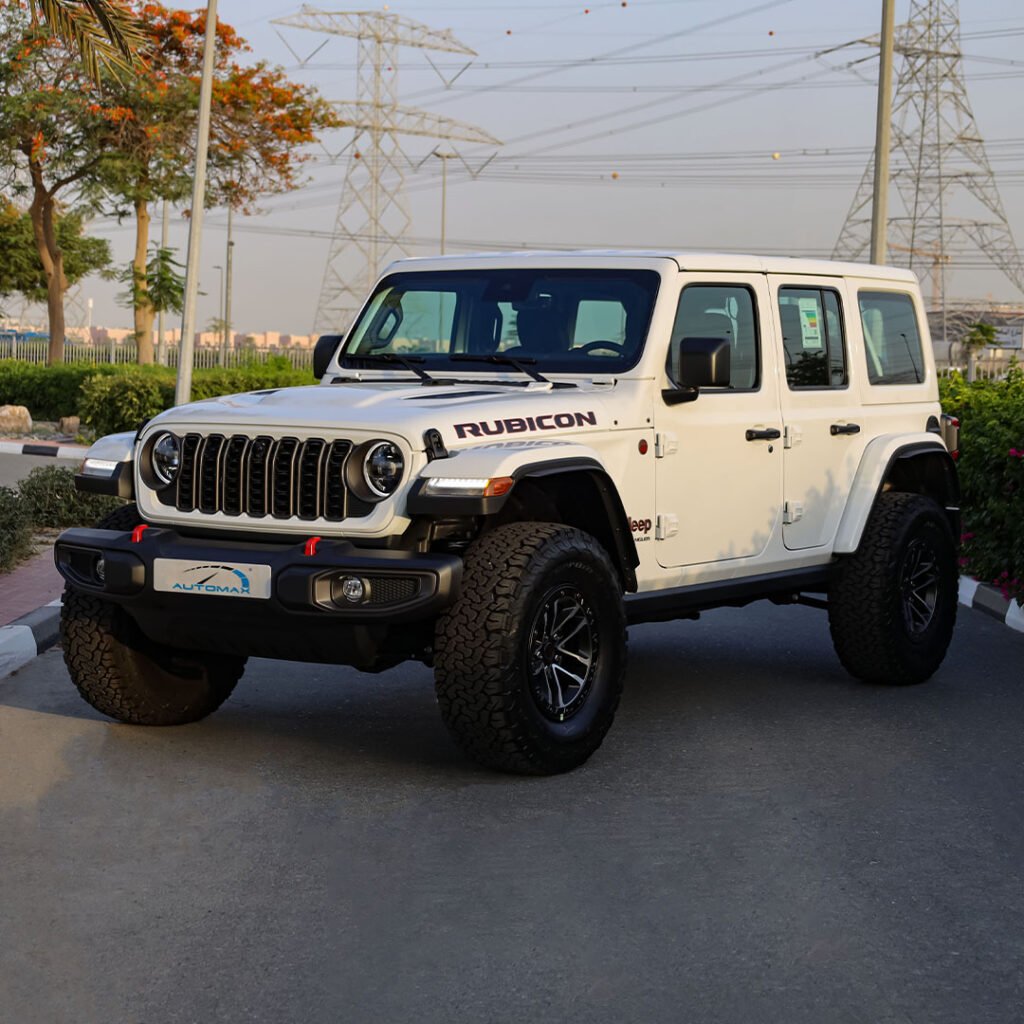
(810, 322)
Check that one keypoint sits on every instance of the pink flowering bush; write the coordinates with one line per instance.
(991, 415)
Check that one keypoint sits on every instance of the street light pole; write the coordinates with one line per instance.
(229, 258)
(444, 158)
(183, 390)
(220, 316)
(161, 344)
(883, 135)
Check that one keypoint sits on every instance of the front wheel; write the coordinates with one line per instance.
(128, 677)
(530, 660)
(892, 604)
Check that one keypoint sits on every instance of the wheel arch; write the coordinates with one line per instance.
(916, 465)
(584, 496)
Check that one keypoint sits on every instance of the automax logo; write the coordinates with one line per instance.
(221, 579)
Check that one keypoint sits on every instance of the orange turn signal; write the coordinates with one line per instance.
(498, 486)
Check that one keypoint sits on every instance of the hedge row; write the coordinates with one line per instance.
(113, 398)
(45, 498)
(991, 415)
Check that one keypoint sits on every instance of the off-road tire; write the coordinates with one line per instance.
(128, 677)
(867, 614)
(482, 662)
(124, 517)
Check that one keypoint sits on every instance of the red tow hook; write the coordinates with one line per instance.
(311, 544)
(138, 532)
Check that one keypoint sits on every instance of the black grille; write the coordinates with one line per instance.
(260, 476)
(392, 589)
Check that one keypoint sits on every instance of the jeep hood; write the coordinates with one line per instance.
(463, 413)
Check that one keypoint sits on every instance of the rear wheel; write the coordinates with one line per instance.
(892, 604)
(530, 660)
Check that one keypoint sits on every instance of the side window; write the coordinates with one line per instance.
(891, 338)
(812, 338)
(723, 311)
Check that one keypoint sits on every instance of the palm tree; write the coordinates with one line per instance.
(104, 32)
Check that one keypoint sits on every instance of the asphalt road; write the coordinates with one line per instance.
(14, 468)
(760, 839)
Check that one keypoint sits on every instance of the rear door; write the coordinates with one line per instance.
(824, 435)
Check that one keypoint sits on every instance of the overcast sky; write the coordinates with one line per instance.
(709, 92)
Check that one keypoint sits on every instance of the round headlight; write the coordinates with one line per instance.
(383, 468)
(166, 459)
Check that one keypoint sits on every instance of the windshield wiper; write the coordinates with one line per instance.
(406, 362)
(501, 359)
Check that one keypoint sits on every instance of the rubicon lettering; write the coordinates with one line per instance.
(525, 424)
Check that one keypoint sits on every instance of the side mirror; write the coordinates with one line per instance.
(323, 352)
(695, 363)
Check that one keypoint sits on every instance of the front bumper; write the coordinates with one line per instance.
(305, 613)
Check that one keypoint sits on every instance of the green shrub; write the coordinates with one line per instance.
(112, 403)
(49, 392)
(991, 415)
(15, 529)
(49, 498)
(123, 401)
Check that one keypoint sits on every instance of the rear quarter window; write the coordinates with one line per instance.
(892, 338)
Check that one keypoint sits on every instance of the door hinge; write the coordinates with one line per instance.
(791, 436)
(665, 444)
(665, 526)
(792, 512)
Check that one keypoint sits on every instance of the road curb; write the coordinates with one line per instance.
(989, 600)
(27, 637)
(55, 451)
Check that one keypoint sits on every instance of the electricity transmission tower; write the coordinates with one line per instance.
(944, 200)
(372, 216)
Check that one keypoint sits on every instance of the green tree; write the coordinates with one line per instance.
(103, 32)
(21, 270)
(55, 132)
(979, 336)
(164, 286)
(259, 123)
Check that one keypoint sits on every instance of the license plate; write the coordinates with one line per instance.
(213, 579)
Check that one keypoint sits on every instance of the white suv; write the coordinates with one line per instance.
(508, 460)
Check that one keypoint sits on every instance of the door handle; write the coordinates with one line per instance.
(844, 428)
(771, 434)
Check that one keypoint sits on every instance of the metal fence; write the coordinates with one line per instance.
(34, 350)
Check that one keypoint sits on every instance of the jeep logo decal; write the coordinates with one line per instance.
(522, 424)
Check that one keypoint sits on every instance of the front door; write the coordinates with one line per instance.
(719, 471)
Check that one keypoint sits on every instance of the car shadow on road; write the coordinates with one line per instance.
(335, 723)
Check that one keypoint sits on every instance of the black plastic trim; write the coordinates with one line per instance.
(295, 575)
(685, 602)
(439, 507)
(917, 449)
(119, 483)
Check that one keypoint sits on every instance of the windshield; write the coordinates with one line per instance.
(569, 321)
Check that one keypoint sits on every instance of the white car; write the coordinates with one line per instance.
(511, 458)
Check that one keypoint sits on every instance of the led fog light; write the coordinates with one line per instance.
(351, 588)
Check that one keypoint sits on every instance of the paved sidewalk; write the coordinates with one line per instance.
(33, 584)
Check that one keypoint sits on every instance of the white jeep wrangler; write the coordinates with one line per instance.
(507, 461)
